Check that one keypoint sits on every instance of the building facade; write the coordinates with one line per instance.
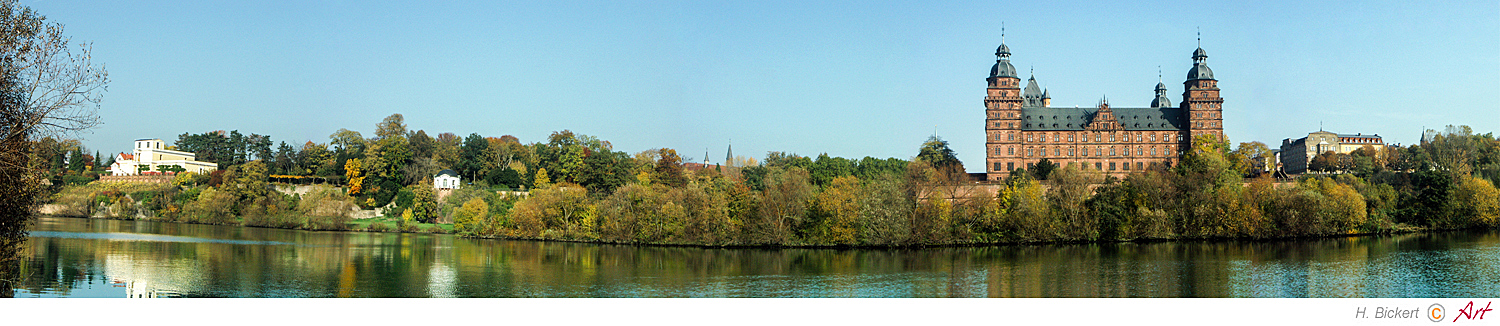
(151, 154)
(1296, 155)
(446, 179)
(1021, 127)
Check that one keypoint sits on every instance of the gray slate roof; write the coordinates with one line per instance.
(1065, 119)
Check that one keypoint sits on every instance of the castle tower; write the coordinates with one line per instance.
(1002, 104)
(1200, 100)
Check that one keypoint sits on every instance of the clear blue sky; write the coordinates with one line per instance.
(850, 79)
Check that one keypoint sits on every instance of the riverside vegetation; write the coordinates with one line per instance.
(582, 190)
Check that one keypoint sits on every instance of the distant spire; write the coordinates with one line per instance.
(1158, 74)
(1200, 36)
(1002, 32)
(730, 155)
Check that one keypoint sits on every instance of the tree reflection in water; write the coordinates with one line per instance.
(78, 257)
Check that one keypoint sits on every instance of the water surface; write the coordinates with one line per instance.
(74, 257)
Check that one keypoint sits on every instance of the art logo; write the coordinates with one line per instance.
(1468, 312)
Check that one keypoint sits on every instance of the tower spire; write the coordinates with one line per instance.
(1002, 32)
(1200, 37)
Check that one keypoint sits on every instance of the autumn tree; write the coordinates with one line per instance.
(48, 87)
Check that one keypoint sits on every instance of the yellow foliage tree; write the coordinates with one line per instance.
(468, 217)
(1478, 201)
(840, 209)
(541, 180)
(355, 175)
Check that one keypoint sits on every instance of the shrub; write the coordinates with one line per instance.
(469, 219)
(564, 209)
(378, 227)
(212, 207)
(326, 208)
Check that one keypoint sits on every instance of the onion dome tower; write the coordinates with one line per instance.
(1002, 105)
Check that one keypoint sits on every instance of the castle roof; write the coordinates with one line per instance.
(1073, 119)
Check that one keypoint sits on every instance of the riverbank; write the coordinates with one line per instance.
(391, 225)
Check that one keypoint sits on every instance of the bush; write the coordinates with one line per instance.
(378, 227)
(326, 208)
(564, 209)
(469, 219)
(212, 207)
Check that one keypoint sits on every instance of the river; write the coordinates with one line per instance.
(75, 257)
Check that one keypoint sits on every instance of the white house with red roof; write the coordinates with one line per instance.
(150, 156)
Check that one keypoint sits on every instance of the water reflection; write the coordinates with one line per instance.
(103, 258)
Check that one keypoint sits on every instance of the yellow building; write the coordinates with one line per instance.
(150, 155)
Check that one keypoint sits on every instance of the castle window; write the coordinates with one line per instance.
(1153, 137)
(1056, 151)
(1111, 151)
(1111, 138)
(1013, 150)
(997, 166)
(1028, 137)
(1012, 125)
(1137, 165)
(1070, 152)
(1010, 166)
(1054, 125)
(1029, 152)
(1126, 166)
(1153, 151)
(1139, 151)
(1054, 136)
(1096, 137)
(1070, 137)
(1098, 152)
(1111, 166)
(1010, 136)
(1098, 166)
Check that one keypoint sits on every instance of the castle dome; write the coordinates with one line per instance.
(1200, 66)
(1003, 68)
(1200, 71)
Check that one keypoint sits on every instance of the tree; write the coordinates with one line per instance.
(355, 176)
(76, 161)
(1044, 168)
(469, 219)
(1252, 158)
(936, 152)
(471, 158)
(669, 168)
(826, 168)
(47, 88)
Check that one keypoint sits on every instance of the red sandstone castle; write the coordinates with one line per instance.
(1021, 129)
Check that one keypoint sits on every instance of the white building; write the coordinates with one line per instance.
(446, 179)
(152, 155)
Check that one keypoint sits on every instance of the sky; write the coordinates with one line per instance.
(850, 79)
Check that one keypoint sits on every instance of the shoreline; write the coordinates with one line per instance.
(1409, 230)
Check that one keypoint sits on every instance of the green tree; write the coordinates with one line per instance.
(826, 168)
(935, 151)
(472, 157)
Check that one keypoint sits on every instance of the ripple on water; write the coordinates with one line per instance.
(116, 236)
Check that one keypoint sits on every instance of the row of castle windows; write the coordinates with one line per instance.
(1009, 166)
(1098, 151)
(1098, 137)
